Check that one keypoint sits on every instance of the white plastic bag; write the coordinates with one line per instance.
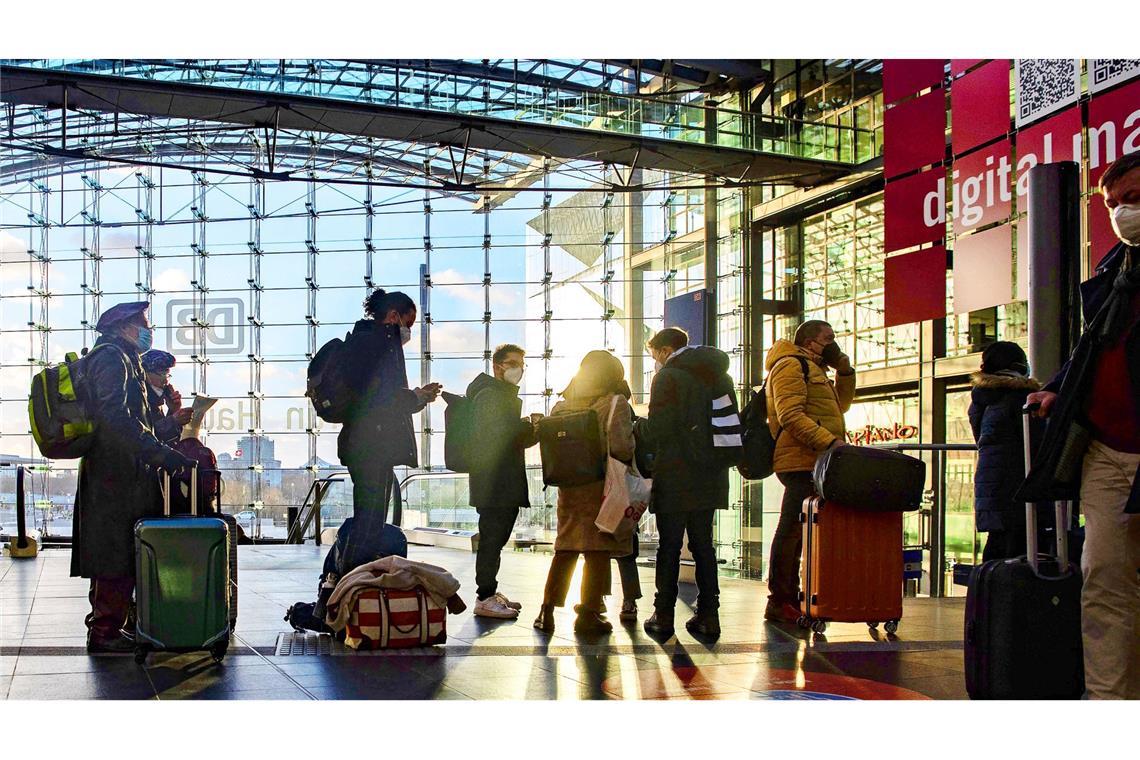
(625, 496)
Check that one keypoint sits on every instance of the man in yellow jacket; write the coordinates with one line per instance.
(805, 413)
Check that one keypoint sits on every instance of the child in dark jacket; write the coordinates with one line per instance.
(999, 391)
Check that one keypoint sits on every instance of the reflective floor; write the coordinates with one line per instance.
(42, 652)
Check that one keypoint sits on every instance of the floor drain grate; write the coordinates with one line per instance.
(296, 643)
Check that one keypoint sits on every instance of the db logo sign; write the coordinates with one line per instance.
(217, 330)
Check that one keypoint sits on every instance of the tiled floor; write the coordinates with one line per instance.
(42, 640)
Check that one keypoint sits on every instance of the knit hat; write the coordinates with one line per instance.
(1005, 356)
(157, 361)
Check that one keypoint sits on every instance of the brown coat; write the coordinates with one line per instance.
(578, 505)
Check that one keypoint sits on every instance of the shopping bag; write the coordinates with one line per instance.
(625, 496)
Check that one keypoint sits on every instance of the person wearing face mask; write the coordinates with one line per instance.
(118, 478)
(1093, 405)
(498, 471)
(805, 414)
(377, 434)
(165, 402)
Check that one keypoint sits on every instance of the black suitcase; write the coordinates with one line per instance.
(571, 449)
(870, 479)
(1023, 620)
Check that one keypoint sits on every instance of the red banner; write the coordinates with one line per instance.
(959, 65)
(979, 106)
(982, 187)
(914, 287)
(915, 210)
(1053, 140)
(915, 132)
(1114, 128)
(906, 76)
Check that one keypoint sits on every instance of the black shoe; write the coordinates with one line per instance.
(659, 624)
(591, 621)
(545, 619)
(116, 644)
(704, 624)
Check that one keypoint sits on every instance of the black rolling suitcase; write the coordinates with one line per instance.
(1023, 619)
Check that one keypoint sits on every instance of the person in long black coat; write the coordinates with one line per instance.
(118, 479)
(1000, 388)
(378, 434)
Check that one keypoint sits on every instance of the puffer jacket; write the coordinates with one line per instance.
(804, 416)
(578, 505)
(685, 480)
(118, 479)
(995, 418)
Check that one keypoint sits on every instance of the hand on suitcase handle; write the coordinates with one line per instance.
(1040, 402)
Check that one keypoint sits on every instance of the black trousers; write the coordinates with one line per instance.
(372, 486)
(627, 571)
(495, 526)
(595, 578)
(787, 543)
(671, 529)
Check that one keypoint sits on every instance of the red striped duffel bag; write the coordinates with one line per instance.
(388, 618)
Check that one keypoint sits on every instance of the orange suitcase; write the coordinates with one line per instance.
(852, 566)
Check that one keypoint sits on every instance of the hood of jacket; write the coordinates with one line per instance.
(784, 348)
(988, 380)
(483, 381)
(705, 363)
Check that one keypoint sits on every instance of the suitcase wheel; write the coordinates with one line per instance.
(819, 626)
(873, 626)
(140, 655)
(892, 626)
(219, 650)
(803, 621)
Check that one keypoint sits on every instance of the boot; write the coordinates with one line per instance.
(704, 623)
(590, 620)
(659, 624)
(545, 619)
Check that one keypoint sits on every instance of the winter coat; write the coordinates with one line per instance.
(996, 419)
(497, 460)
(684, 479)
(578, 505)
(166, 428)
(1072, 385)
(804, 416)
(118, 479)
(378, 427)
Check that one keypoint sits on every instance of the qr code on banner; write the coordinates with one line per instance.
(1105, 72)
(1045, 85)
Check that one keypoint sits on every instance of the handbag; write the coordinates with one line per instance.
(389, 618)
(625, 495)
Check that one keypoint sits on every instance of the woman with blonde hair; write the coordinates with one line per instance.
(600, 380)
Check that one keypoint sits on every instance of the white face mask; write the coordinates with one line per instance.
(405, 334)
(1126, 223)
(513, 375)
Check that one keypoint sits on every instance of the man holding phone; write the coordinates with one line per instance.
(805, 414)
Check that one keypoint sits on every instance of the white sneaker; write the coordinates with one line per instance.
(493, 607)
(504, 600)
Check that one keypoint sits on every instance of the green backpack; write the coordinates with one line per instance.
(61, 422)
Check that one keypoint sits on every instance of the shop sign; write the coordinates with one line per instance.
(874, 434)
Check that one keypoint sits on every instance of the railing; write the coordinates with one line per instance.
(465, 95)
(932, 520)
(310, 511)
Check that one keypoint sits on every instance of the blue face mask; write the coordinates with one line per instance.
(145, 339)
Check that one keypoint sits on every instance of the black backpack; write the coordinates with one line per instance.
(459, 420)
(328, 384)
(756, 459)
(571, 449)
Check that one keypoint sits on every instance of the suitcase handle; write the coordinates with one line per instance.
(1062, 511)
(193, 491)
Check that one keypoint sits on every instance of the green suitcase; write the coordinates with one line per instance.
(182, 569)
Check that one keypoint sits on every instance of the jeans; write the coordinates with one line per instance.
(787, 543)
(1110, 564)
(372, 486)
(495, 526)
(671, 529)
(627, 570)
(595, 578)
